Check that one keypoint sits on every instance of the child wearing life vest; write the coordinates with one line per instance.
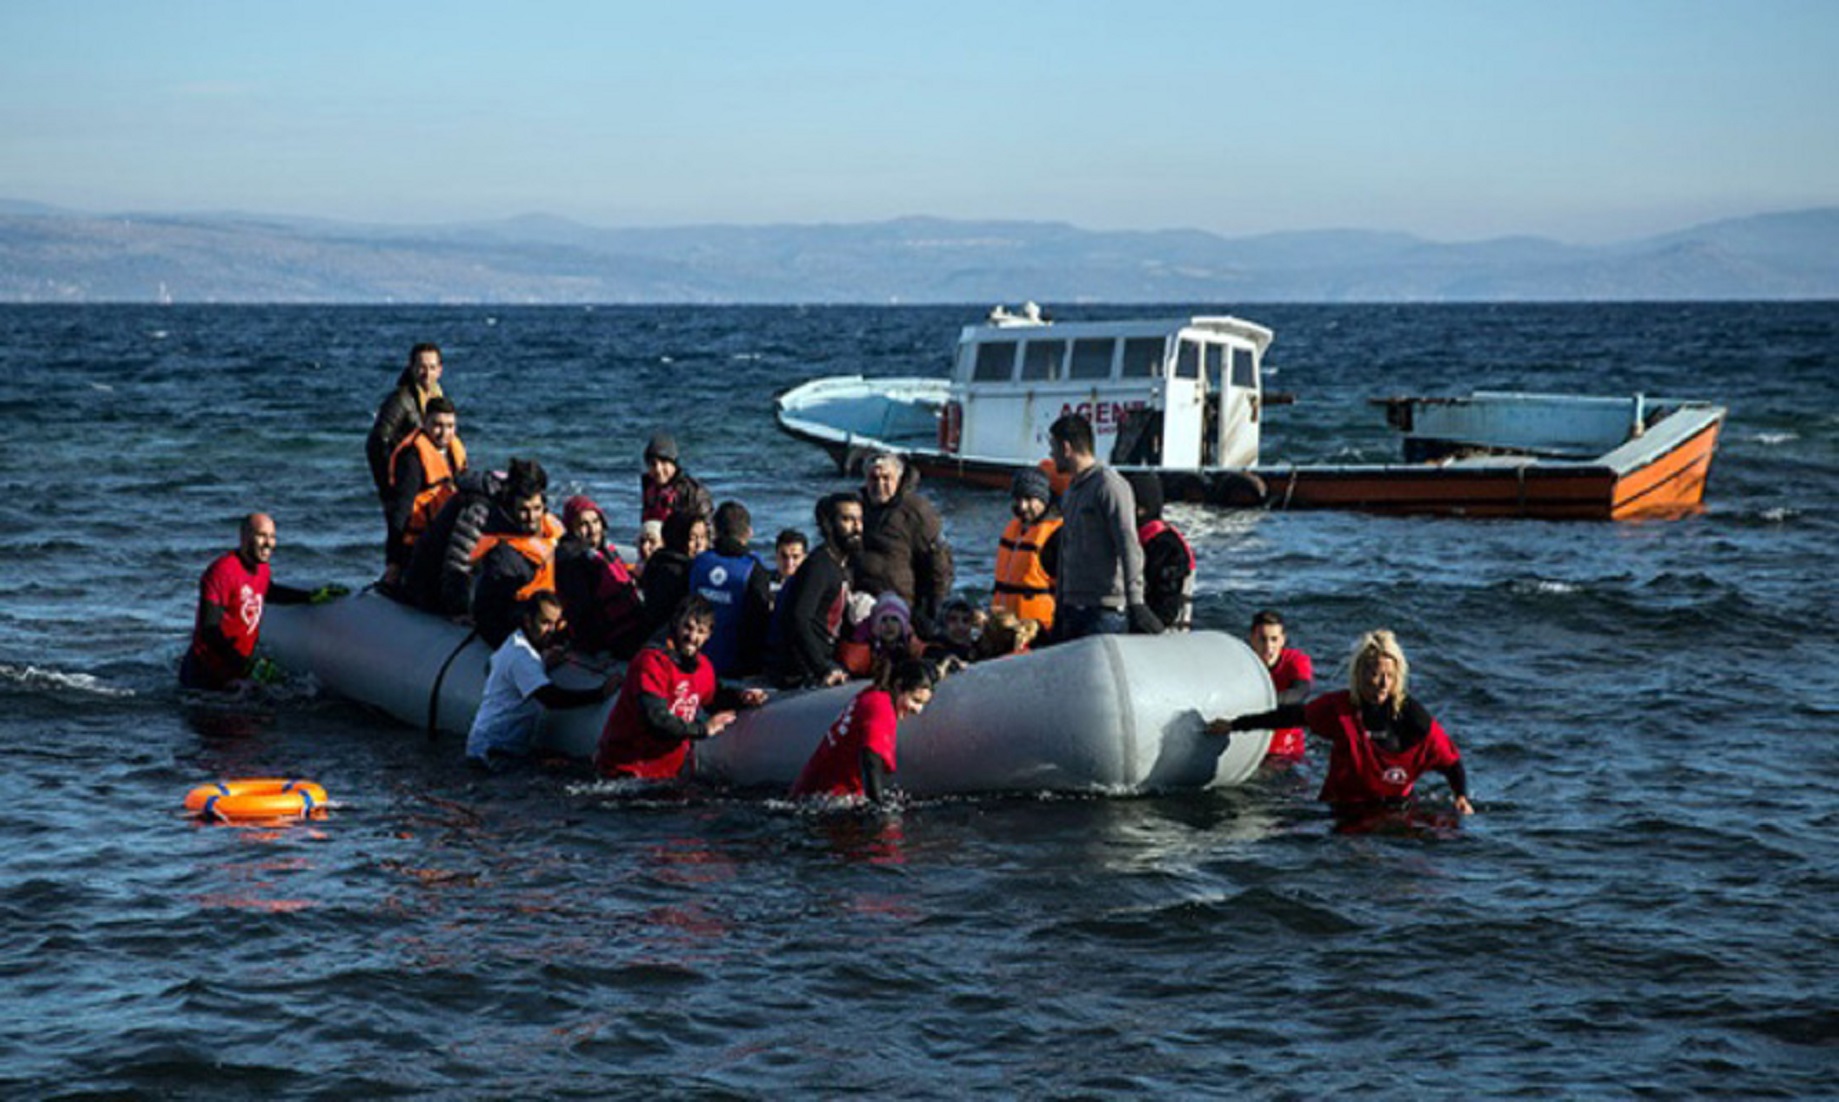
(884, 638)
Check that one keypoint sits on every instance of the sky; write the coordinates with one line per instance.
(1588, 122)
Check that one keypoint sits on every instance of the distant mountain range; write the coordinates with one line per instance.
(53, 255)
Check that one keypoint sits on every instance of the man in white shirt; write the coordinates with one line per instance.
(517, 688)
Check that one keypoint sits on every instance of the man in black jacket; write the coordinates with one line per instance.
(401, 412)
(801, 645)
(903, 544)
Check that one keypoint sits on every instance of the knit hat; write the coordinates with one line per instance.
(1147, 487)
(891, 604)
(1031, 482)
(577, 505)
(662, 446)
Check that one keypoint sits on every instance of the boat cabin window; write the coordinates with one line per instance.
(1041, 359)
(1187, 360)
(995, 362)
(1092, 358)
(1244, 369)
(1215, 358)
(1143, 357)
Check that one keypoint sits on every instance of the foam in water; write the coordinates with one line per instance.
(31, 677)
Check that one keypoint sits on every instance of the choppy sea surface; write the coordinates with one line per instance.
(1646, 905)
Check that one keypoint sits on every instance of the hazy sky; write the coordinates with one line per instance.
(1586, 121)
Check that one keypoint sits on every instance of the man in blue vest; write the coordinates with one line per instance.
(733, 579)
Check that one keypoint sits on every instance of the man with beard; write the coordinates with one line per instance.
(664, 704)
(517, 688)
(801, 645)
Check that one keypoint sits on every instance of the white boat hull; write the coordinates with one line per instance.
(1111, 714)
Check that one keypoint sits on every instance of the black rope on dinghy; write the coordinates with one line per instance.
(434, 694)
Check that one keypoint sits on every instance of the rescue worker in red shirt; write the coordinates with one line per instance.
(665, 702)
(421, 481)
(1292, 674)
(857, 755)
(231, 596)
(1023, 584)
(1380, 739)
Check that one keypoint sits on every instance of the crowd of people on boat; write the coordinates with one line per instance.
(696, 625)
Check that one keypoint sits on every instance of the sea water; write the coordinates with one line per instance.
(1646, 904)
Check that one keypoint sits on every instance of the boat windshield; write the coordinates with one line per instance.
(1143, 357)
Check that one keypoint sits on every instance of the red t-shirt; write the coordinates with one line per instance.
(241, 592)
(1358, 770)
(1292, 666)
(629, 747)
(835, 768)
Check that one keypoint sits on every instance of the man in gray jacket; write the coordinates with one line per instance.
(1098, 580)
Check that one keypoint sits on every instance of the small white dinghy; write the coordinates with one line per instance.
(1118, 715)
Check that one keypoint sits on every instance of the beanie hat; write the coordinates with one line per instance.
(1031, 482)
(1147, 487)
(577, 505)
(892, 604)
(662, 446)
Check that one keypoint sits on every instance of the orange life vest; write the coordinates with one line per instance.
(1023, 586)
(437, 480)
(539, 549)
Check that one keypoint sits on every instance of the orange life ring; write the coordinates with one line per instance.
(262, 798)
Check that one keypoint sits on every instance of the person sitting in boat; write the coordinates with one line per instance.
(960, 626)
(650, 539)
(512, 562)
(401, 413)
(231, 595)
(857, 755)
(789, 551)
(1380, 738)
(600, 598)
(1098, 575)
(1003, 634)
(665, 487)
(1023, 584)
(734, 580)
(883, 638)
(1168, 560)
(439, 578)
(801, 644)
(667, 700)
(666, 580)
(421, 481)
(517, 686)
(1292, 674)
(903, 542)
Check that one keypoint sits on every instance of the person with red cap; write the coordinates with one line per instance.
(600, 597)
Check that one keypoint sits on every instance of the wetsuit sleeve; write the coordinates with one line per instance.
(1458, 777)
(874, 776)
(1297, 692)
(555, 696)
(279, 594)
(662, 721)
(1287, 715)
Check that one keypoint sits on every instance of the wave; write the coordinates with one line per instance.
(35, 678)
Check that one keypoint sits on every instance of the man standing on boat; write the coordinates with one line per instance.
(1098, 584)
(903, 542)
(231, 596)
(402, 413)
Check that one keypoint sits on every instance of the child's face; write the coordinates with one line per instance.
(791, 556)
(889, 628)
(961, 627)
